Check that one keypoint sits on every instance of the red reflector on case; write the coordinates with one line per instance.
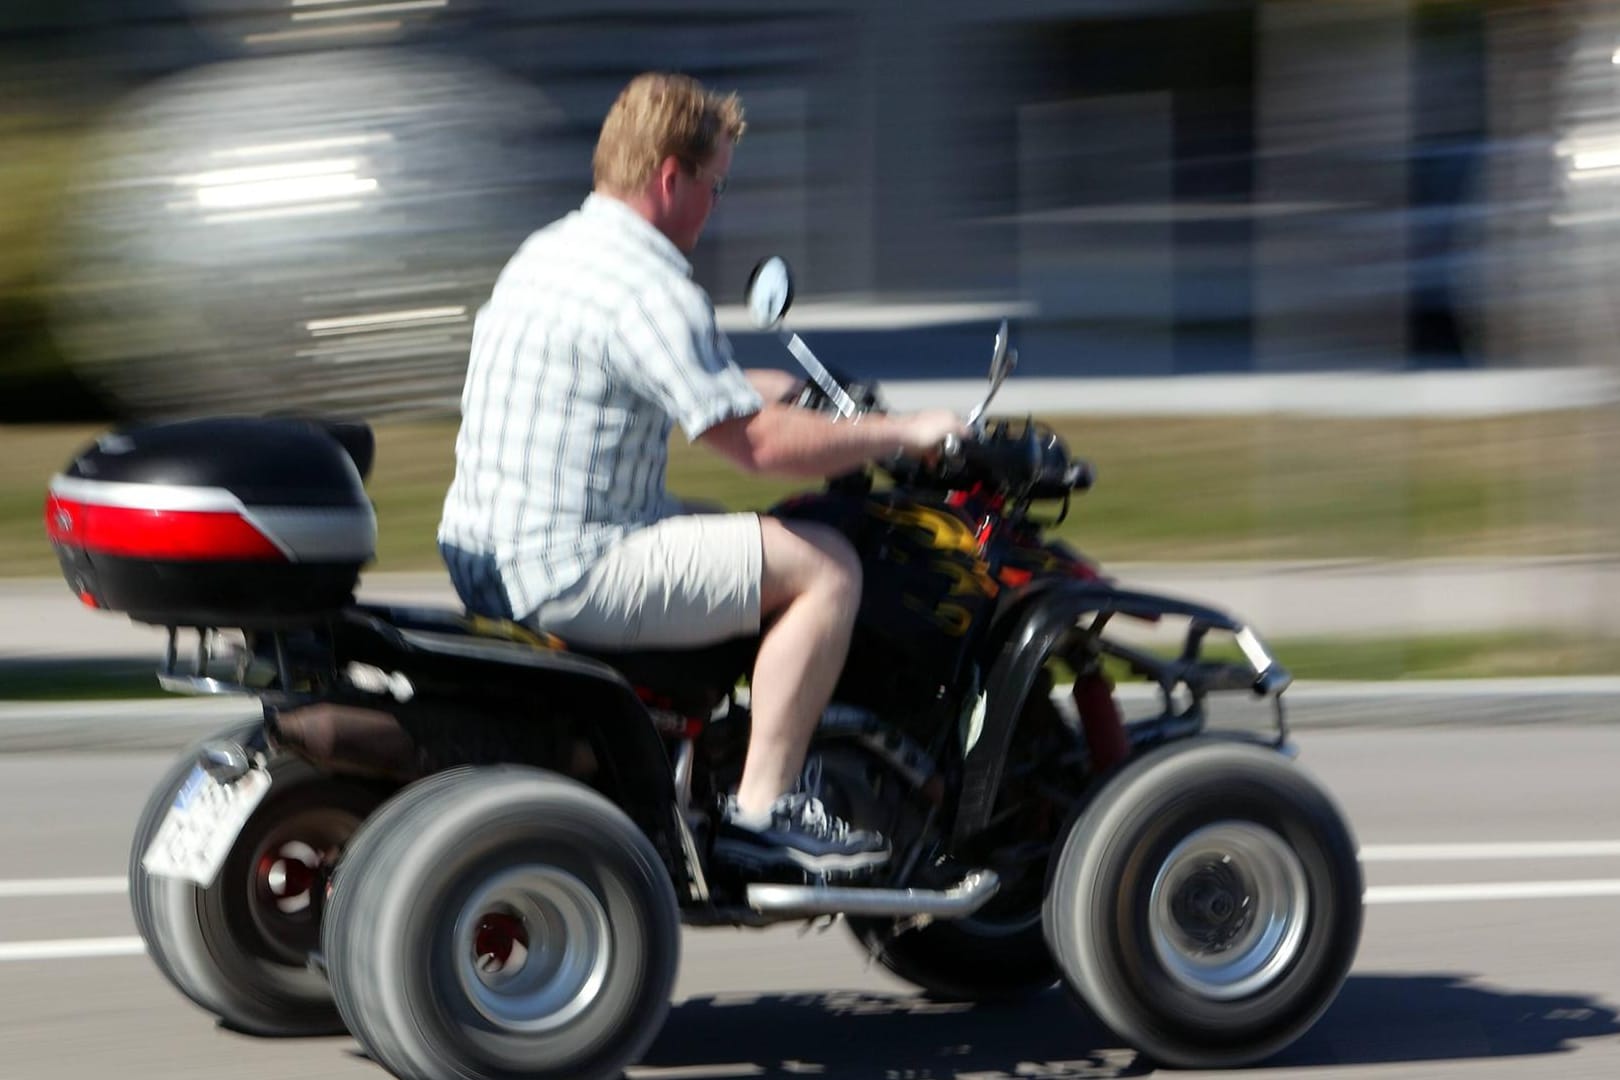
(63, 520)
(167, 535)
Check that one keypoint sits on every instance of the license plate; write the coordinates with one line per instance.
(202, 824)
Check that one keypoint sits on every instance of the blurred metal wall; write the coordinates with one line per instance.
(1174, 185)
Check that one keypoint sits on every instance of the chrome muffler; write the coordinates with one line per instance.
(963, 898)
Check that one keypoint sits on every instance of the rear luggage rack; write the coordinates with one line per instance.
(198, 681)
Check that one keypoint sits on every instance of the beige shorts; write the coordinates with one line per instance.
(685, 581)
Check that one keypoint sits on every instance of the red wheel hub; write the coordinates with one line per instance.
(497, 935)
(286, 877)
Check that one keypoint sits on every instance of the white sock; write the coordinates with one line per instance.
(739, 816)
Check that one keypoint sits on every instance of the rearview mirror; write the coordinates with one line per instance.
(1002, 362)
(770, 292)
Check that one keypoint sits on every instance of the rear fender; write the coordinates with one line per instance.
(482, 684)
(1031, 628)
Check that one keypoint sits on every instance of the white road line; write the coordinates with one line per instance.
(694, 1072)
(71, 948)
(90, 948)
(1500, 890)
(83, 886)
(1464, 852)
(1551, 849)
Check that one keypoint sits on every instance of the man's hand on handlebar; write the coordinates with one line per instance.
(923, 434)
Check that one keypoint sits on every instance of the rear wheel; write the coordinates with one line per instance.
(1207, 905)
(240, 947)
(502, 922)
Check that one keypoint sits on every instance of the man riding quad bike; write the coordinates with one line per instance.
(471, 837)
(473, 845)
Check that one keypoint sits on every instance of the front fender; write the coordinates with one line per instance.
(1033, 627)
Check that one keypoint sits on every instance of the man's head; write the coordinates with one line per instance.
(665, 149)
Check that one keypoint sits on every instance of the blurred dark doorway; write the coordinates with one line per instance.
(1450, 120)
(1124, 149)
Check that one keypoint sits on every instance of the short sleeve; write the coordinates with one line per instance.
(675, 355)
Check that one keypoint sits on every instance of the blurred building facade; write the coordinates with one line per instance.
(321, 191)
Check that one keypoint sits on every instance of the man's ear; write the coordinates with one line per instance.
(668, 176)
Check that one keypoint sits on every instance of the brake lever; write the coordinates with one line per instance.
(820, 375)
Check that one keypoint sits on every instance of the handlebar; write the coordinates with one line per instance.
(1035, 462)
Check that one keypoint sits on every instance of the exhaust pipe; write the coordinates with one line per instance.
(963, 898)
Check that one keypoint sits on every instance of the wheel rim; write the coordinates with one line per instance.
(289, 869)
(1228, 910)
(532, 947)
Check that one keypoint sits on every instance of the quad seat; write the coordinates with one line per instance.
(690, 681)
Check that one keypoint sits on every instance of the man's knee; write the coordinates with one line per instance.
(842, 573)
(801, 557)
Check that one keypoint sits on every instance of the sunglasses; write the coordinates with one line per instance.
(717, 185)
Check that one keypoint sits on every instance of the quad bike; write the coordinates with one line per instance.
(473, 846)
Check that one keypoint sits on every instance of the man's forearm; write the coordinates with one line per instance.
(798, 442)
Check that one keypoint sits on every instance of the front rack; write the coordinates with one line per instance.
(1259, 674)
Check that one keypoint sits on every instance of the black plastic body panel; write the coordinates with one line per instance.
(259, 596)
(1035, 622)
(523, 682)
(262, 461)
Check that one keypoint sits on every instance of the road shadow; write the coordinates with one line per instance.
(1376, 1019)
(850, 1035)
(1380, 1019)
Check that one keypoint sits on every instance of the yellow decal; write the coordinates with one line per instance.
(948, 535)
(507, 630)
(943, 530)
(974, 580)
(952, 619)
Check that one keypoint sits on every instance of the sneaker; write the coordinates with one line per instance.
(799, 833)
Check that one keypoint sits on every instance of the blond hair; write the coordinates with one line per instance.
(659, 115)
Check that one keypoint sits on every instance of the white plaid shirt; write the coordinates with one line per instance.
(594, 342)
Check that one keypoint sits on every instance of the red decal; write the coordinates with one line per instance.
(1013, 577)
(169, 535)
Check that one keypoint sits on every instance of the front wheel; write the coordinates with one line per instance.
(501, 922)
(1208, 905)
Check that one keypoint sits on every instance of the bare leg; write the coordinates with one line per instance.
(812, 578)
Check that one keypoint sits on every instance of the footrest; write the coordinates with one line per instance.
(961, 899)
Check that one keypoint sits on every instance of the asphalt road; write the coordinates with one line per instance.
(1490, 951)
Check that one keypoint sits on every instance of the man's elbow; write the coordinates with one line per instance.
(750, 460)
(739, 443)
